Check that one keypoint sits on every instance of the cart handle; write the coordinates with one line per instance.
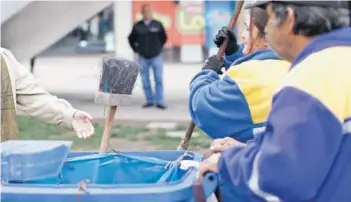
(204, 188)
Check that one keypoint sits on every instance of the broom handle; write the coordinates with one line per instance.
(231, 25)
(184, 144)
(239, 4)
(105, 141)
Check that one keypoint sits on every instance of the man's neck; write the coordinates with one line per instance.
(147, 21)
(299, 44)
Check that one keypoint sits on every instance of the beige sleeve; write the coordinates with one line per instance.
(35, 100)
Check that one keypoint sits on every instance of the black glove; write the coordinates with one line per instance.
(214, 64)
(223, 34)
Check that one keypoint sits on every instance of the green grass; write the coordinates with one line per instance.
(31, 128)
(129, 132)
(162, 141)
(180, 127)
(34, 129)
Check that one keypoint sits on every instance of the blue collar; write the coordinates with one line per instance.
(264, 54)
(340, 37)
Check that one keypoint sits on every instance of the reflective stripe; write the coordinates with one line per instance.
(254, 186)
(258, 130)
(347, 126)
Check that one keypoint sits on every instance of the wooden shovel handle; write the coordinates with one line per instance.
(105, 140)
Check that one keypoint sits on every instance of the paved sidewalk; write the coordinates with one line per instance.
(76, 78)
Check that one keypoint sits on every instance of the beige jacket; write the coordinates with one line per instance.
(32, 99)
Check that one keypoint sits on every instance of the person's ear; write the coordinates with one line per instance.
(290, 20)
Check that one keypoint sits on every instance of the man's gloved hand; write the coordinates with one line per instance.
(214, 64)
(82, 124)
(223, 34)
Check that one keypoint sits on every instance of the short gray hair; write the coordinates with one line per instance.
(311, 21)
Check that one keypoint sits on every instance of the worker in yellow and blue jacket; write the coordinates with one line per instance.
(305, 152)
(238, 104)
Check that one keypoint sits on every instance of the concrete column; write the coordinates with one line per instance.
(123, 24)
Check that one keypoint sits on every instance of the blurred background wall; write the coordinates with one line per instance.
(33, 28)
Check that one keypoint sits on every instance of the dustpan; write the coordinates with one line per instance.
(23, 161)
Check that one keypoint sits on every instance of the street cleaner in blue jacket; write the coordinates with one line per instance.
(238, 104)
(305, 152)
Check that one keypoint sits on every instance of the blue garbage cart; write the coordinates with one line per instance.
(103, 187)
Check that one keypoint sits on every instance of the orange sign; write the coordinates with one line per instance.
(190, 24)
(184, 24)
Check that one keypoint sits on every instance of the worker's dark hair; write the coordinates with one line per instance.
(260, 19)
(144, 6)
(312, 21)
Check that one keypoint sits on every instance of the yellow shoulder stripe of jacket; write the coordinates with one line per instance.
(258, 80)
(326, 75)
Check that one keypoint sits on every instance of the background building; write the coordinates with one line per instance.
(32, 28)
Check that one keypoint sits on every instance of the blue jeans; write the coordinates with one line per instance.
(156, 64)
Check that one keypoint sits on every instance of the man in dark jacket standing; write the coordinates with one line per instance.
(147, 39)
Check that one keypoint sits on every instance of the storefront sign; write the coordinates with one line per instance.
(217, 15)
(190, 23)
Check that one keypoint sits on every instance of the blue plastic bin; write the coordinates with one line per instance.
(164, 190)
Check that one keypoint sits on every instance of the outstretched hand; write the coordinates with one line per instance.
(82, 124)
